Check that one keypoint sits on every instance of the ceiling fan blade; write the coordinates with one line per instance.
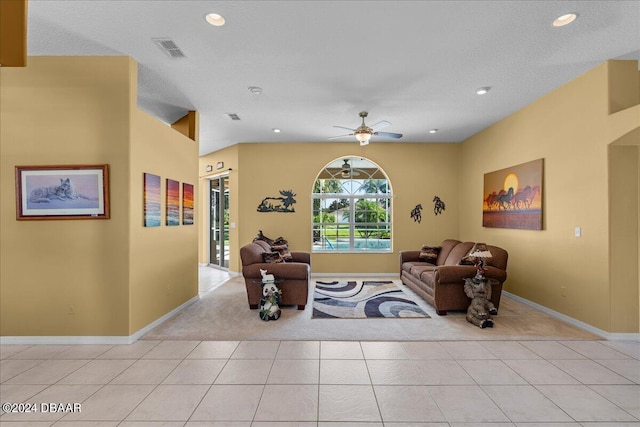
(341, 136)
(342, 127)
(389, 135)
(380, 125)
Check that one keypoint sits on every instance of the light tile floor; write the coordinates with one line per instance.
(324, 383)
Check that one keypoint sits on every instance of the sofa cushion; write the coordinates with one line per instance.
(418, 268)
(429, 254)
(251, 254)
(428, 278)
(264, 245)
(272, 257)
(446, 247)
(457, 252)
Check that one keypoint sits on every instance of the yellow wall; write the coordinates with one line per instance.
(571, 129)
(624, 190)
(81, 110)
(62, 111)
(164, 260)
(417, 173)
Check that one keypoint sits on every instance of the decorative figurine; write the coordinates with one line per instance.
(270, 301)
(481, 308)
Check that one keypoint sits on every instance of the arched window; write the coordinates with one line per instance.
(351, 207)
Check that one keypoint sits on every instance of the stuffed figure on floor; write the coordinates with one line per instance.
(270, 301)
(481, 308)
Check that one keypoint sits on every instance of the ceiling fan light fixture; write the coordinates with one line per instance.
(565, 19)
(214, 19)
(363, 137)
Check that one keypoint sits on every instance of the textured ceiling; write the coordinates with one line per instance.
(416, 64)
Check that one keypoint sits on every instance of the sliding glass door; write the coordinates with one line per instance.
(219, 222)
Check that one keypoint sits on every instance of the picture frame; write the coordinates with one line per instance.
(52, 192)
(173, 202)
(151, 200)
(187, 204)
(513, 197)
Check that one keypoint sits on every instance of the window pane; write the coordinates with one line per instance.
(351, 207)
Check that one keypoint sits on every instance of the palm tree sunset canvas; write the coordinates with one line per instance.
(173, 202)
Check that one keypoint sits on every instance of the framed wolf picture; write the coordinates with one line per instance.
(62, 192)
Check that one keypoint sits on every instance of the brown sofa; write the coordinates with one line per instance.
(294, 274)
(442, 284)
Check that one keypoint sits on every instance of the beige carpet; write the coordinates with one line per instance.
(223, 314)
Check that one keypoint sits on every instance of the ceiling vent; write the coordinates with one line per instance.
(232, 116)
(169, 47)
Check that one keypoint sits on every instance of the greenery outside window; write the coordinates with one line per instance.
(351, 208)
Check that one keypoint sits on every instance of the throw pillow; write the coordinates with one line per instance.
(261, 236)
(284, 252)
(467, 260)
(272, 257)
(429, 254)
(279, 241)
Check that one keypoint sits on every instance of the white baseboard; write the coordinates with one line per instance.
(609, 336)
(72, 340)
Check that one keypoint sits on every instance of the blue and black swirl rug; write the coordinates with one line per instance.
(362, 300)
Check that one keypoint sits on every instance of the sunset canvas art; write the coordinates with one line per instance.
(151, 200)
(173, 202)
(187, 204)
(513, 197)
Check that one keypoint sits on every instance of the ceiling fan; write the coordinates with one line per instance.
(363, 133)
(347, 171)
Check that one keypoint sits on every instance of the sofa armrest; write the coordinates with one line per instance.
(495, 273)
(454, 273)
(281, 270)
(457, 273)
(304, 257)
(407, 256)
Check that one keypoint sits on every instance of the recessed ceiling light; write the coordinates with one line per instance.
(214, 19)
(433, 130)
(483, 90)
(276, 130)
(566, 19)
(255, 90)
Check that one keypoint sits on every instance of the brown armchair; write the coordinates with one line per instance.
(294, 274)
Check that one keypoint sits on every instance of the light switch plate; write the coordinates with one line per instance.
(578, 232)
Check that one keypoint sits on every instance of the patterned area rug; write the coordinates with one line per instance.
(361, 300)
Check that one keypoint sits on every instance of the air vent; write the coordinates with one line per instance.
(169, 47)
(232, 116)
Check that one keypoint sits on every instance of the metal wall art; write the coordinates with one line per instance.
(416, 213)
(438, 205)
(278, 204)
